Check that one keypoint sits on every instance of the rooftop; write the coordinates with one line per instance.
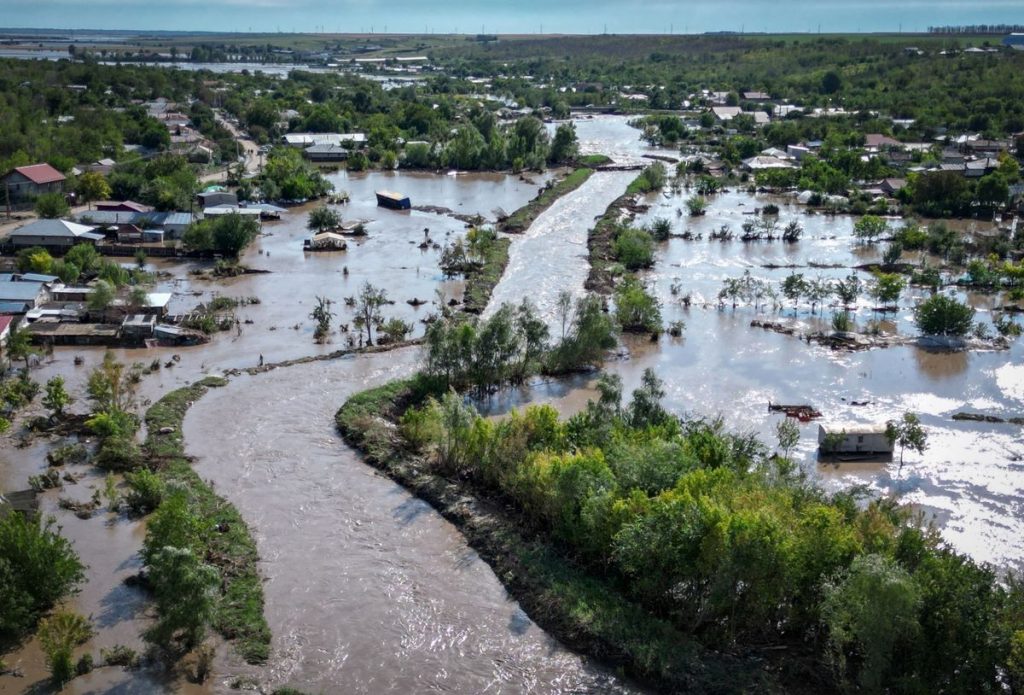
(40, 173)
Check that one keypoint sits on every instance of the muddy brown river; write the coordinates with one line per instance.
(368, 590)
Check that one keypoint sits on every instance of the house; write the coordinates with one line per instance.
(54, 234)
(756, 96)
(762, 162)
(305, 140)
(325, 153)
(718, 98)
(24, 184)
(876, 142)
(987, 148)
(726, 113)
(138, 326)
(980, 167)
(797, 152)
(19, 297)
(123, 206)
(173, 224)
(893, 186)
(209, 199)
(100, 166)
(854, 438)
(220, 210)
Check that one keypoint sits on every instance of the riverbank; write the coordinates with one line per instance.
(230, 547)
(520, 220)
(585, 611)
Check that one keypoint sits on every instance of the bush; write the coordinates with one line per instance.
(942, 315)
(634, 248)
(38, 567)
(59, 635)
(697, 205)
(145, 491)
(120, 655)
(67, 453)
(119, 453)
(52, 206)
(660, 229)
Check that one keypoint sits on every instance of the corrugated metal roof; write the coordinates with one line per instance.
(38, 277)
(53, 228)
(20, 291)
(40, 173)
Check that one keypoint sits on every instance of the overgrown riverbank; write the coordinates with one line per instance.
(584, 610)
(520, 220)
(481, 281)
(228, 545)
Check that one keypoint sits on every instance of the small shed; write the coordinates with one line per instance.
(854, 438)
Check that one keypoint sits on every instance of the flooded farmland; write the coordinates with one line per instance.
(367, 588)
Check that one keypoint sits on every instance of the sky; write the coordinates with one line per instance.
(522, 16)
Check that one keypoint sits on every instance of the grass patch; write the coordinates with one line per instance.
(586, 611)
(480, 282)
(231, 550)
(594, 160)
(520, 220)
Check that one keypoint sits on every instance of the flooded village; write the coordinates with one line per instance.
(210, 339)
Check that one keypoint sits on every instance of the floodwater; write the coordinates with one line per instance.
(368, 590)
(970, 481)
(551, 256)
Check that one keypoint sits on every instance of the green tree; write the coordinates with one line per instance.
(56, 398)
(871, 611)
(92, 186)
(907, 432)
(887, 289)
(183, 588)
(322, 314)
(85, 257)
(831, 82)
(19, 346)
(101, 296)
(323, 218)
(35, 259)
(788, 434)
(869, 228)
(369, 303)
(636, 310)
(38, 567)
(52, 206)
(942, 315)
(848, 290)
(564, 146)
(993, 190)
(794, 287)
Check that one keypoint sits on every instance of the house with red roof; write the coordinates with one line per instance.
(24, 184)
